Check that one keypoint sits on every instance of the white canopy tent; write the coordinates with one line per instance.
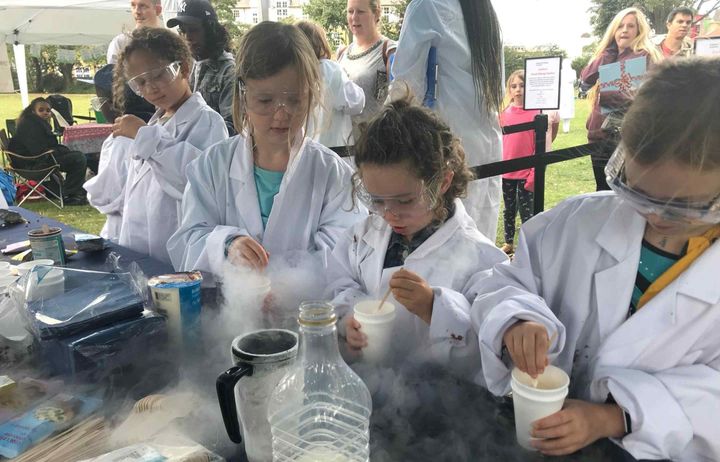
(63, 22)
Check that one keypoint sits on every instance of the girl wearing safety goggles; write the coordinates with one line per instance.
(270, 190)
(419, 241)
(155, 65)
(628, 280)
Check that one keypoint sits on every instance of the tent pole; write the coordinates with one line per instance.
(19, 52)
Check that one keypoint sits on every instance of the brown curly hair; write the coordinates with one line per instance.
(407, 133)
(162, 43)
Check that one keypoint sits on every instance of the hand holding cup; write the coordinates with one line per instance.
(528, 344)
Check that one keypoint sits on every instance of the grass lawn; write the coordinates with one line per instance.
(563, 180)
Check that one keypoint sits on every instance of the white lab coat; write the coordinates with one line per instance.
(157, 174)
(450, 261)
(440, 23)
(106, 190)
(342, 98)
(310, 212)
(662, 365)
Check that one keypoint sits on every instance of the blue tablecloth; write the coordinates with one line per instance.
(81, 260)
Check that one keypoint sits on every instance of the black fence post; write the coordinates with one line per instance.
(541, 128)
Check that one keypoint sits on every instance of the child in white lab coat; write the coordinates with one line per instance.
(342, 97)
(156, 65)
(420, 240)
(629, 282)
(270, 191)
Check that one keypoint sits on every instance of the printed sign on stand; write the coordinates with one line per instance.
(707, 46)
(542, 83)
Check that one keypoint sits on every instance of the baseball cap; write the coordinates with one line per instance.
(193, 12)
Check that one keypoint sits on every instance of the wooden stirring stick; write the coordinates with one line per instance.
(385, 297)
(552, 338)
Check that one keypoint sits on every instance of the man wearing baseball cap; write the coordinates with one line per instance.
(213, 74)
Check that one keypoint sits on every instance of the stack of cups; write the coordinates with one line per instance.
(532, 402)
(376, 322)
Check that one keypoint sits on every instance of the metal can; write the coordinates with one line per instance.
(47, 242)
(177, 297)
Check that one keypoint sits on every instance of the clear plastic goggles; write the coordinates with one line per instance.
(400, 206)
(676, 209)
(262, 103)
(157, 78)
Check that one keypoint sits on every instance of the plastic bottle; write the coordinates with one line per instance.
(320, 410)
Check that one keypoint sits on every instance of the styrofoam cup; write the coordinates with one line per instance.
(533, 403)
(377, 325)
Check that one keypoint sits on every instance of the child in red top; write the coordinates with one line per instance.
(517, 186)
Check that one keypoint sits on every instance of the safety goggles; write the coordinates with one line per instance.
(674, 209)
(264, 104)
(416, 203)
(157, 78)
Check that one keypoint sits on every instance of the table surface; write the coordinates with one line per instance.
(91, 130)
(82, 260)
(420, 412)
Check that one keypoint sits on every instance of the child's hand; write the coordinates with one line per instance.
(414, 293)
(127, 126)
(245, 250)
(355, 338)
(577, 425)
(528, 344)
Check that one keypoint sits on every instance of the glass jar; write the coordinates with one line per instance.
(320, 410)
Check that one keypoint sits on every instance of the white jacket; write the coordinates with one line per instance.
(310, 212)
(440, 24)
(106, 190)
(450, 261)
(156, 174)
(574, 271)
(342, 98)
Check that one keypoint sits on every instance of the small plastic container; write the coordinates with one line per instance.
(377, 324)
(24, 268)
(44, 283)
(533, 403)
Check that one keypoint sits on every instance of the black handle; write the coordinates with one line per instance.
(225, 386)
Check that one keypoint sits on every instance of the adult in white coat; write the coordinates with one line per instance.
(420, 242)
(310, 212)
(331, 124)
(158, 64)
(466, 36)
(628, 280)
(106, 190)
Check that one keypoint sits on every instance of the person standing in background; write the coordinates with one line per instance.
(146, 13)
(627, 37)
(213, 73)
(366, 60)
(676, 41)
(466, 36)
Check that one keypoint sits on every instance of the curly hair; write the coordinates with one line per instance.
(267, 49)
(30, 109)
(162, 43)
(412, 135)
(217, 38)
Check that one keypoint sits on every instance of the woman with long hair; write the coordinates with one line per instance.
(627, 37)
(466, 38)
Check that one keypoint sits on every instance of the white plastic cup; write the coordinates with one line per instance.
(377, 325)
(533, 403)
(27, 266)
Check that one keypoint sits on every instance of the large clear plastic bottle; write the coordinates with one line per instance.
(320, 410)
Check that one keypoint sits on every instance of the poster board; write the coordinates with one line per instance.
(707, 46)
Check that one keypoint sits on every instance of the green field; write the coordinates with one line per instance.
(563, 180)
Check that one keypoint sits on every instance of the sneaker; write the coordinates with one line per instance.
(508, 248)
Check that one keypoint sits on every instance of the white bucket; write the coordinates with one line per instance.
(533, 403)
(43, 284)
(378, 326)
(25, 267)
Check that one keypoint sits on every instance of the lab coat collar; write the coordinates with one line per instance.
(243, 162)
(613, 235)
(186, 113)
(246, 199)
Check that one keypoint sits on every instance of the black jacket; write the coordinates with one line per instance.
(34, 136)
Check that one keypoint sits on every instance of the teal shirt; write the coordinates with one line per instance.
(653, 263)
(267, 185)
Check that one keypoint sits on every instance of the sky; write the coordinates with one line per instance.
(542, 22)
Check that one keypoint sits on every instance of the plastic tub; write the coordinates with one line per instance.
(377, 324)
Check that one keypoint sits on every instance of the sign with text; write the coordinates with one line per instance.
(542, 82)
(707, 46)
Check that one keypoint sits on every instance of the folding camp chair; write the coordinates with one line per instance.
(11, 126)
(41, 176)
